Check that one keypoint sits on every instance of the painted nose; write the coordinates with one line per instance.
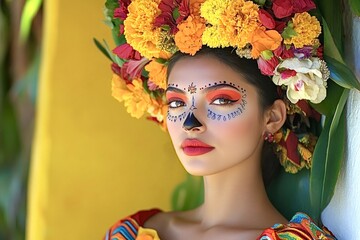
(191, 122)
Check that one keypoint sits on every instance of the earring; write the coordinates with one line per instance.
(269, 137)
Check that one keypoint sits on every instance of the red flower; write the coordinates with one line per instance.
(320, 52)
(122, 11)
(285, 8)
(282, 8)
(308, 110)
(267, 67)
(266, 19)
(303, 5)
(280, 25)
(166, 17)
(116, 69)
(283, 52)
(125, 51)
(184, 10)
(288, 73)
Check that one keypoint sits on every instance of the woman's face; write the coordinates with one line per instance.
(214, 118)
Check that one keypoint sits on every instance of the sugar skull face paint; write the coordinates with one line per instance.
(217, 107)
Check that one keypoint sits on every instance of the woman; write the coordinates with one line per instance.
(222, 115)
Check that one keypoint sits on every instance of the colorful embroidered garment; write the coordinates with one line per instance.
(300, 227)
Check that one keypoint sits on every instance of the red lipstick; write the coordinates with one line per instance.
(194, 147)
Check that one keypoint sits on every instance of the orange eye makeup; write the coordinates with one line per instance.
(231, 95)
(172, 96)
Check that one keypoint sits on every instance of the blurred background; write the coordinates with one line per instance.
(19, 73)
(87, 154)
(91, 163)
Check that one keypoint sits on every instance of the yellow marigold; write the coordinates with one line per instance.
(136, 100)
(212, 38)
(188, 38)
(212, 10)
(158, 109)
(139, 29)
(157, 73)
(307, 28)
(147, 234)
(239, 21)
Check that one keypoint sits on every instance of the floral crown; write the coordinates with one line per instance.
(280, 35)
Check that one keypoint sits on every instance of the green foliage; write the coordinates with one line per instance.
(188, 194)
(355, 6)
(329, 153)
(14, 158)
(31, 8)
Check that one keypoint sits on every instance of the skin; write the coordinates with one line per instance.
(236, 205)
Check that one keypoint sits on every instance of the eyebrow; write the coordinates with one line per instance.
(217, 86)
(206, 90)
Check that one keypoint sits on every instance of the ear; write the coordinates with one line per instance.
(275, 116)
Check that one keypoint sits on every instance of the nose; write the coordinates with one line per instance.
(191, 123)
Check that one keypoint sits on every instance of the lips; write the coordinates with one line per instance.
(195, 147)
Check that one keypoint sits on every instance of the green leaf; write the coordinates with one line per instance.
(330, 47)
(102, 48)
(289, 31)
(332, 12)
(110, 6)
(341, 74)
(355, 7)
(289, 193)
(188, 194)
(176, 13)
(327, 158)
(30, 10)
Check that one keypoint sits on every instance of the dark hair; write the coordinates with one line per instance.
(266, 89)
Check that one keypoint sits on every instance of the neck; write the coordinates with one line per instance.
(235, 197)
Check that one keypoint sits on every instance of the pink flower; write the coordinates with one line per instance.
(133, 68)
(266, 19)
(152, 86)
(267, 67)
(125, 51)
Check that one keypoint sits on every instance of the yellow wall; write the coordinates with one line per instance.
(92, 163)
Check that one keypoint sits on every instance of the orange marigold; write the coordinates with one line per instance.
(139, 28)
(157, 73)
(195, 6)
(239, 21)
(262, 40)
(188, 38)
(136, 100)
(307, 28)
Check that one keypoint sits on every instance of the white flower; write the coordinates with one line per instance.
(303, 79)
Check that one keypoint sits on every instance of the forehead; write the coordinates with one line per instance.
(202, 71)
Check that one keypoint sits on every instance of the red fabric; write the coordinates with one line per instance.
(142, 216)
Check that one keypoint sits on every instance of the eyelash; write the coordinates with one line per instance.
(170, 101)
(228, 100)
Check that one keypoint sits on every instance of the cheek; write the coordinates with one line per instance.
(244, 129)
